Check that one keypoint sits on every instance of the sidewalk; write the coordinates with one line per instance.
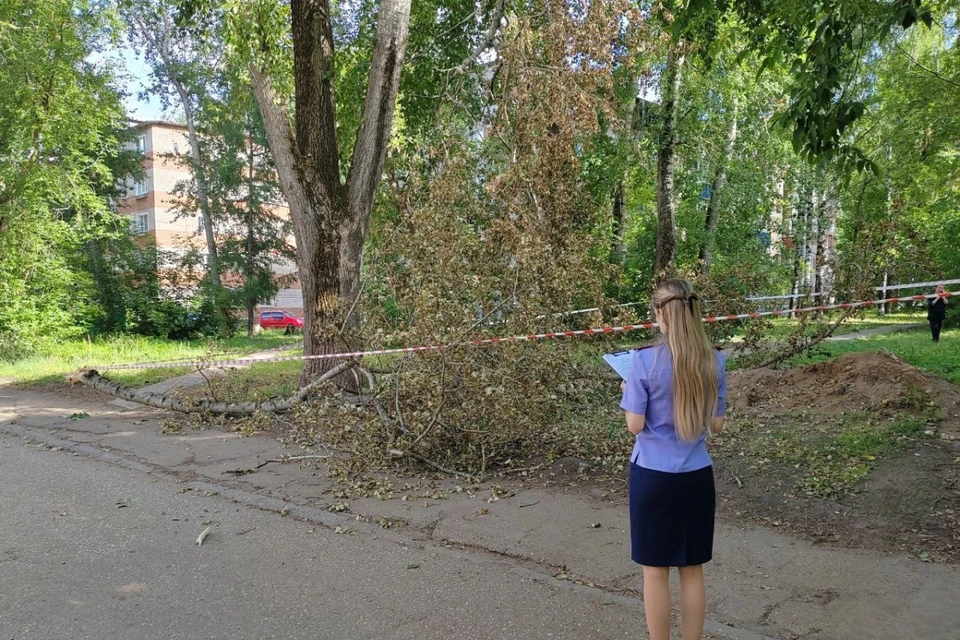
(762, 583)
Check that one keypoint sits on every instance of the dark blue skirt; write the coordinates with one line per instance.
(672, 517)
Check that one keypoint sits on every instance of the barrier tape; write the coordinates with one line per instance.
(206, 364)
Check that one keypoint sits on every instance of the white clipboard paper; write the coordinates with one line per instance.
(621, 362)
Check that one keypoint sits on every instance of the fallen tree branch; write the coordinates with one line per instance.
(396, 453)
(803, 345)
(243, 472)
(93, 379)
(533, 469)
(436, 414)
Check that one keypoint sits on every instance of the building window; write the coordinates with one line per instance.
(141, 223)
(142, 144)
(140, 188)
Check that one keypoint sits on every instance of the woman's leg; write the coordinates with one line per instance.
(656, 601)
(693, 601)
(936, 326)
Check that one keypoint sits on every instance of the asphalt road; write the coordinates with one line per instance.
(92, 551)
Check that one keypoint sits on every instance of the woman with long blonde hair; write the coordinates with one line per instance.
(674, 394)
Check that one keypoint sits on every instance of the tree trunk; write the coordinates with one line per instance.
(666, 157)
(778, 228)
(106, 284)
(250, 253)
(885, 308)
(795, 233)
(618, 247)
(813, 243)
(712, 221)
(93, 379)
(159, 41)
(203, 199)
(828, 239)
(331, 219)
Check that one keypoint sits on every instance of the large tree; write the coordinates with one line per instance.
(183, 63)
(822, 44)
(330, 205)
(59, 121)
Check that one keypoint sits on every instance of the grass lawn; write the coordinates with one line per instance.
(273, 379)
(783, 327)
(830, 456)
(257, 383)
(55, 363)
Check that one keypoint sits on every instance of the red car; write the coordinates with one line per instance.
(280, 320)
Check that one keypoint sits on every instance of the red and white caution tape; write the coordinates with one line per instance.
(207, 364)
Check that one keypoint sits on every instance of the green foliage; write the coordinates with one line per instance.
(821, 43)
(256, 384)
(244, 197)
(60, 119)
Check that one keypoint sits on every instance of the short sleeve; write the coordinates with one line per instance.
(635, 394)
(721, 385)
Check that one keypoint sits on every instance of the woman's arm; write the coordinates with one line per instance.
(634, 402)
(717, 426)
(635, 422)
(720, 418)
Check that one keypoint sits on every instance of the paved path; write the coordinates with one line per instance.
(761, 582)
(90, 551)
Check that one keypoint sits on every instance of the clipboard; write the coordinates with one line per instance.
(621, 362)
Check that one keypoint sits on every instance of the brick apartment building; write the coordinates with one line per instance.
(151, 205)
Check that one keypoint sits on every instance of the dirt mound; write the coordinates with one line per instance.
(854, 382)
(846, 452)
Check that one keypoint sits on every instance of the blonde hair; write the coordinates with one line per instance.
(694, 362)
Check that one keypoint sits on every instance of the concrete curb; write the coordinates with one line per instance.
(332, 521)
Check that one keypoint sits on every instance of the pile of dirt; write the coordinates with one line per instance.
(855, 382)
(908, 501)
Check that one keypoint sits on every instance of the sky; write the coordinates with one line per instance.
(133, 79)
(137, 109)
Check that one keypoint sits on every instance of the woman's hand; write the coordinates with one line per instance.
(623, 386)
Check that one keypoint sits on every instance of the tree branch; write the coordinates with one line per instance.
(282, 142)
(800, 347)
(235, 409)
(932, 72)
(369, 152)
(313, 72)
(489, 39)
(396, 453)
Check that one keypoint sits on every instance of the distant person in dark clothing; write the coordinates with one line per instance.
(936, 312)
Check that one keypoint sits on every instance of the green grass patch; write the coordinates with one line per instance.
(831, 458)
(782, 328)
(255, 383)
(57, 361)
